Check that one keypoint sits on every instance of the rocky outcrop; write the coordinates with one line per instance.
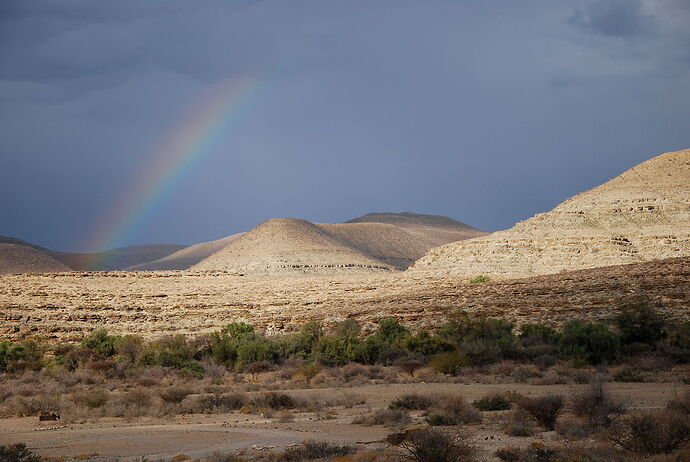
(641, 215)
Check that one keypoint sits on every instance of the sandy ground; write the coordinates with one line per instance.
(201, 435)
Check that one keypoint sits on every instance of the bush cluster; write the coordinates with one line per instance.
(464, 340)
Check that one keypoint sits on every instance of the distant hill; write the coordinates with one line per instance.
(18, 256)
(374, 242)
(288, 245)
(641, 215)
(187, 257)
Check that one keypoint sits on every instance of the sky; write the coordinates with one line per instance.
(487, 112)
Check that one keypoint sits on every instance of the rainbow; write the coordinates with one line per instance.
(190, 140)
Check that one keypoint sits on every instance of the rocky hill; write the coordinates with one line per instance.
(17, 256)
(290, 246)
(641, 215)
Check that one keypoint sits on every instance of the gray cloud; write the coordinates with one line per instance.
(615, 18)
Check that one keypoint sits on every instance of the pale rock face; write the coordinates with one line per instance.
(641, 215)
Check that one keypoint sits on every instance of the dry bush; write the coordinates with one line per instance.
(545, 361)
(91, 399)
(285, 417)
(519, 424)
(544, 409)
(412, 401)
(409, 366)
(681, 404)
(431, 445)
(5, 392)
(597, 405)
(550, 378)
(630, 375)
(174, 395)
(26, 390)
(310, 450)
(137, 401)
(25, 407)
(573, 427)
(388, 417)
(275, 401)
(212, 369)
(504, 368)
(524, 373)
(453, 410)
(539, 452)
(650, 433)
(218, 403)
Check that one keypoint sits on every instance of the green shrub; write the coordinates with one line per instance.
(679, 335)
(449, 363)
(427, 344)
(333, 351)
(487, 339)
(100, 342)
(538, 334)
(479, 279)
(493, 402)
(589, 341)
(640, 322)
(390, 330)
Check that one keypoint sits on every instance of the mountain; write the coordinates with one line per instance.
(187, 257)
(641, 215)
(292, 246)
(17, 256)
(288, 245)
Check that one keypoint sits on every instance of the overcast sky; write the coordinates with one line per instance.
(485, 111)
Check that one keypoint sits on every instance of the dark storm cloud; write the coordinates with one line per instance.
(484, 111)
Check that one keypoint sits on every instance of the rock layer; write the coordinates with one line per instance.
(641, 215)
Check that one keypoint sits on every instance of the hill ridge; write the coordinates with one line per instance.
(640, 215)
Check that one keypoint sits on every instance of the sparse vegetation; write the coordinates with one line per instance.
(545, 409)
(479, 279)
(431, 445)
(493, 402)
